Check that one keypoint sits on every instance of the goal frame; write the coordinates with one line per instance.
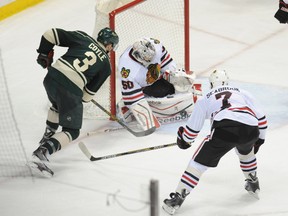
(112, 16)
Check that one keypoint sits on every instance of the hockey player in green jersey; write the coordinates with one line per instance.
(74, 78)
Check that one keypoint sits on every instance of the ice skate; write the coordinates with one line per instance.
(171, 205)
(37, 164)
(252, 186)
(47, 135)
(41, 153)
(40, 169)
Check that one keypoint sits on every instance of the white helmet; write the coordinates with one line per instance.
(143, 51)
(218, 78)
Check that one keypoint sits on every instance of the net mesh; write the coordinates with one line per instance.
(160, 19)
(12, 154)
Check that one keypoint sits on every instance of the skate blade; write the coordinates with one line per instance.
(255, 194)
(40, 169)
(168, 209)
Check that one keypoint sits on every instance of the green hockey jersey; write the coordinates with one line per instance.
(84, 67)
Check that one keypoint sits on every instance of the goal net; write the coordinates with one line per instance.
(167, 21)
(12, 154)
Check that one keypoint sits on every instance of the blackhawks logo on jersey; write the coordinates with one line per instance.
(125, 72)
(153, 73)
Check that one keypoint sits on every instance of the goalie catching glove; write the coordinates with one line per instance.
(181, 79)
(180, 72)
(182, 144)
(45, 60)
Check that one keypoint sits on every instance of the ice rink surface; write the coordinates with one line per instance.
(240, 36)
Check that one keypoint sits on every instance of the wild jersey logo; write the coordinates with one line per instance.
(153, 73)
(125, 72)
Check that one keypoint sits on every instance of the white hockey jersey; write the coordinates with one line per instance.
(134, 75)
(225, 102)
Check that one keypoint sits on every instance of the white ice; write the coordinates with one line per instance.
(240, 36)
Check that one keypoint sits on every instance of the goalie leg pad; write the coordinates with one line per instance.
(173, 108)
(124, 113)
(144, 115)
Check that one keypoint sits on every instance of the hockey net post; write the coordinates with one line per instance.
(113, 55)
(167, 21)
(186, 35)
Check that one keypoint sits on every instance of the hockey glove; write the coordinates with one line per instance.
(257, 145)
(180, 72)
(182, 144)
(282, 14)
(45, 60)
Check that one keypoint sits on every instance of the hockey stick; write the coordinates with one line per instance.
(107, 130)
(85, 150)
(170, 115)
(113, 117)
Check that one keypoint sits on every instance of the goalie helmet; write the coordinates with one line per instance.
(218, 78)
(143, 51)
(108, 36)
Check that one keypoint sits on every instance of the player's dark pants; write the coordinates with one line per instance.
(68, 104)
(226, 135)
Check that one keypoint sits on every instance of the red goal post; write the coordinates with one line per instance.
(165, 20)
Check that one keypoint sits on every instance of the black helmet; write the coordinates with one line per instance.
(108, 36)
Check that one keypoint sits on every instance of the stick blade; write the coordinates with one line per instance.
(144, 133)
(85, 150)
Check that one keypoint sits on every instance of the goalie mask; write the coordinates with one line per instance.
(108, 36)
(218, 78)
(143, 51)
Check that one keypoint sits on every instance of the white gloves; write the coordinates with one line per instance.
(181, 79)
(180, 72)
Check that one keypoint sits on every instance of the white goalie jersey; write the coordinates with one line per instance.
(136, 75)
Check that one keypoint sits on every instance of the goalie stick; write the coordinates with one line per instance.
(85, 150)
(169, 115)
(113, 117)
(107, 130)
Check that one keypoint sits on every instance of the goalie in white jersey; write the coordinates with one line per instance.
(153, 90)
(236, 122)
